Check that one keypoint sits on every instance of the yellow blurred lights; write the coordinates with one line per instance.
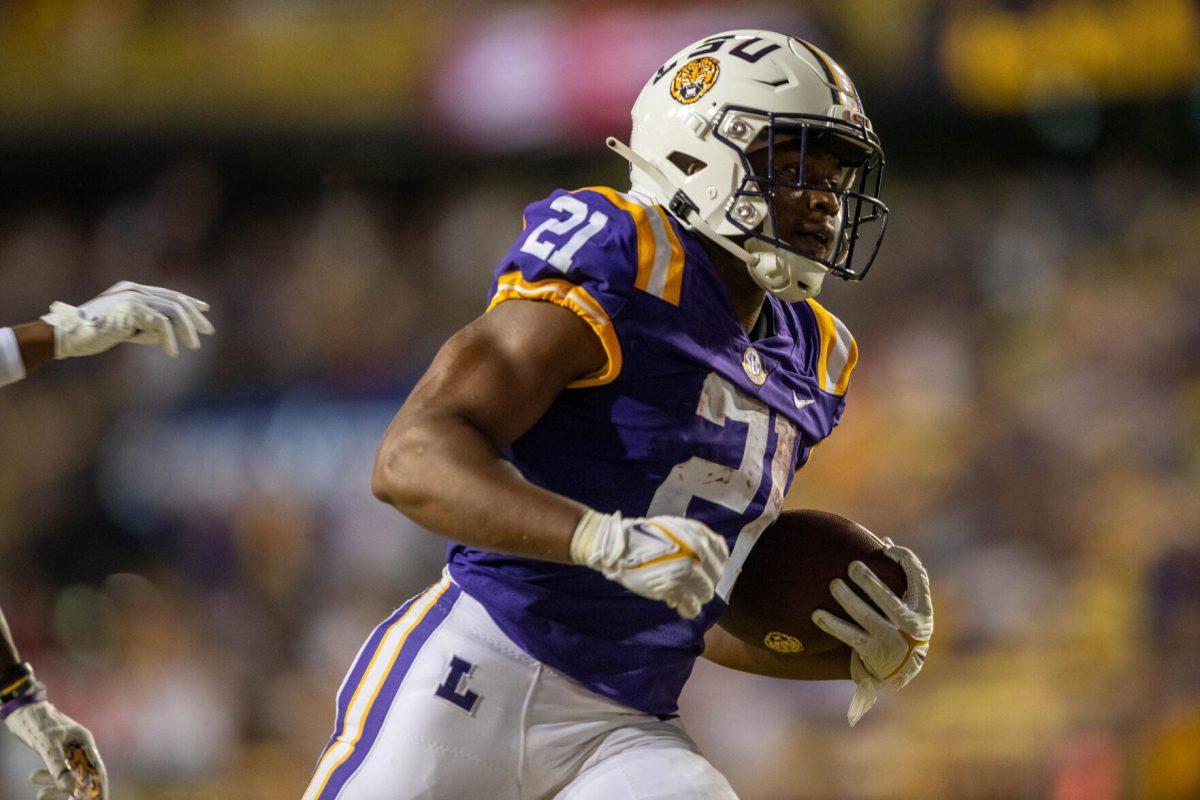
(1068, 52)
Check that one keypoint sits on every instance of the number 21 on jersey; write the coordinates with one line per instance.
(733, 488)
(560, 255)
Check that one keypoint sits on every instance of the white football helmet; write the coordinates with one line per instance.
(725, 96)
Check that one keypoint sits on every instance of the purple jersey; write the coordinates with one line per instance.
(688, 417)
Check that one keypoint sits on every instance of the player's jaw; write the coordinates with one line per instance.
(813, 238)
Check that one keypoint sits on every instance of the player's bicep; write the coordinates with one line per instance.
(502, 371)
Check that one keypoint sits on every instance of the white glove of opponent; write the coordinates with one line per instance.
(52, 734)
(128, 312)
(672, 559)
(888, 653)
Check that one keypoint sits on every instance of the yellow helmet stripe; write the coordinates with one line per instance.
(830, 73)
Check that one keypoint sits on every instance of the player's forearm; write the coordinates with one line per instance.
(36, 341)
(723, 648)
(444, 473)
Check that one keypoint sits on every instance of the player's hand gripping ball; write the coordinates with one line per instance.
(891, 637)
(788, 595)
(787, 577)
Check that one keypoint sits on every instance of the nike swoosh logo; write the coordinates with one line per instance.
(801, 403)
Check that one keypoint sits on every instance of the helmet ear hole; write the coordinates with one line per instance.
(688, 165)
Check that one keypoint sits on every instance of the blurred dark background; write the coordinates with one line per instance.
(189, 551)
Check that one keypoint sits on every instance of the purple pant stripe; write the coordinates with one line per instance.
(354, 677)
(391, 686)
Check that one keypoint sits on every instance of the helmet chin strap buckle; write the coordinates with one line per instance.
(682, 206)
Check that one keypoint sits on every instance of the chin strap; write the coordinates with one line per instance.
(778, 273)
(789, 277)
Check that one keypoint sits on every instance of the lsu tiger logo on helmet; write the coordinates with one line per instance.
(694, 79)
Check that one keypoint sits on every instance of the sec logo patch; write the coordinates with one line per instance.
(753, 367)
(694, 79)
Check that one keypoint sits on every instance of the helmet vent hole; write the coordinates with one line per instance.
(688, 165)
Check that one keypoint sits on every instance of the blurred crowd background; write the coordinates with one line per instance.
(189, 551)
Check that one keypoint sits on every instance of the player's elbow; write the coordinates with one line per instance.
(381, 484)
(396, 477)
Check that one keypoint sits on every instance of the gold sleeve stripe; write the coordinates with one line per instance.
(512, 286)
(660, 253)
(672, 276)
(369, 687)
(839, 351)
(641, 220)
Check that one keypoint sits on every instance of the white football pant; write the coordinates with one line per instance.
(441, 705)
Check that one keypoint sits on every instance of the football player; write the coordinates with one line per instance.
(604, 444)
(127, 312)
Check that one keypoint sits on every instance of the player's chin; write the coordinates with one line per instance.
(810, 246)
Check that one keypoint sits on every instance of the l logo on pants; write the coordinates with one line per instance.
(452, 688)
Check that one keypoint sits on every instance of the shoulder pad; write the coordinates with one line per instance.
(657, 254)
(838, 352)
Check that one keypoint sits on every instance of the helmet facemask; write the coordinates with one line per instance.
(862, 216)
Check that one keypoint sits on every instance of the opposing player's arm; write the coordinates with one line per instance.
(36, 343)
(126, 312)
(722, 647)
(441, 461)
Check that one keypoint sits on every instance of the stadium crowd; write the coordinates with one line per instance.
(190, 553)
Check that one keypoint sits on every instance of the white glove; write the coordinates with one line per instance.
(672, 559)
(53, 736)
(887, 652)
(128, 312)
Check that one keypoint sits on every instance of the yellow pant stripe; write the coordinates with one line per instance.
(512, 286)
(369, 687)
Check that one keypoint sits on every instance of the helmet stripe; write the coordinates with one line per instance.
(830, 73)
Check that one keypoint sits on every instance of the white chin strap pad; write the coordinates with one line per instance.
(788, 276)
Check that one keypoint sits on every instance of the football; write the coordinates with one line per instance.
(786, 578)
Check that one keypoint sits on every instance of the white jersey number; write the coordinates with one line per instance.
(577, 212)
(732, 488)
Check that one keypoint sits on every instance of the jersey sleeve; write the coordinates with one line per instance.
(578, 250)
